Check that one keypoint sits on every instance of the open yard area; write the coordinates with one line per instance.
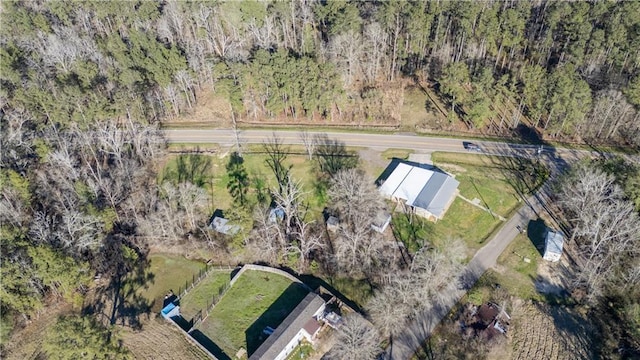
(256, 300)
(204, 293)
(490, 181)
(209, 171)
(170, 272)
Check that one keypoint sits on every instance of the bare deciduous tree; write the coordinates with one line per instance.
(309, 143)
(606, 229)
(276, 155)
(353, 194)
(357, 340)
(268, 240)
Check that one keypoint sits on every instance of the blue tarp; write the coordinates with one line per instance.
(167, 309)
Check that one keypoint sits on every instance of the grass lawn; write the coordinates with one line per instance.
(256, 300)
(417, 110)
(466, 222)
(493, 180)
(515, 276)
(210, 172)
(396, 153)
(170, 272)
(202, 295)
(356, 290)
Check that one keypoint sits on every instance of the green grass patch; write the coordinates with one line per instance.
(414, 109)
(209, 171)
(412, 230)
(207, 291)
(513, 276)
(170, 272)
(256, 300)
(518, 277)
(466, 222)
(396, 153)
(303, 351)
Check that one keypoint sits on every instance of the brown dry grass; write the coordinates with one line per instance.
(160, 340)
(551, 332)
(211, 109)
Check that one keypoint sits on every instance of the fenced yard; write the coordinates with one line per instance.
(256, 300)
(169, 273)
(209, 290)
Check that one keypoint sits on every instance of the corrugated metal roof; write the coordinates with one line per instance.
(422, 188)
(447, 190)
(413, 184)
(429, 191)
(395, 179)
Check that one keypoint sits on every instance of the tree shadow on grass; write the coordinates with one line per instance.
(209, 345)
(316, 282)
(125, 263)
(274, 315)
(332, 156)
(194, 168)
(576, 331)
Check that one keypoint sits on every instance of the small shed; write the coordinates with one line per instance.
(553, 243)
(333, 223)
(276, 214)
(381, 221)
(222, 226)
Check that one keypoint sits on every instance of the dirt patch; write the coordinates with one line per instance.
(210, 109)
(554, 277)
(550, 332)
(373, 157)
(160, 340)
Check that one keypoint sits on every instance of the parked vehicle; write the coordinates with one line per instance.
(471, 146)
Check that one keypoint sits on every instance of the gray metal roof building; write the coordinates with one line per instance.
(421, 188)
(277, 345)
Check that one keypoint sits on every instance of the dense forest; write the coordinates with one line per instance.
(568, 69)
(85, 87)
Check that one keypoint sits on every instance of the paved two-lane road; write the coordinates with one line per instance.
(227, 137)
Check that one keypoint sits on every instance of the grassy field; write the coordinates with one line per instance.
(513, 275)
(256, 300)
(396, 153)
(203, 294)
(417, 110)
(170, 273)
(209, 171)
(493, 181)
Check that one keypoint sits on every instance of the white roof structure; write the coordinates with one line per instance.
(422, 188)
(553, 244)
(222, 226)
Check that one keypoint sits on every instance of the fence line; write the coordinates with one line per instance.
(222, 291)
(203, 273)
(191, 339)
